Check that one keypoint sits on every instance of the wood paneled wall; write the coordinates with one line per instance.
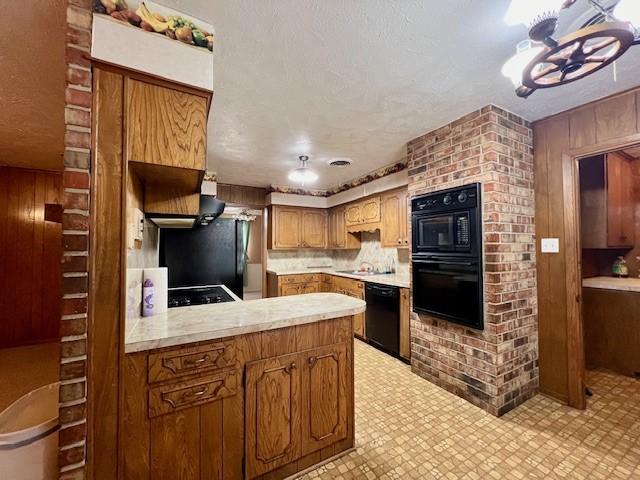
(605, 125)
(30, 254)
(241, 195)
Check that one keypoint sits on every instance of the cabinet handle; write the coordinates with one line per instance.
(312, 361)
(288, 369)
(194, 363)
(194, 394)
(399, 241)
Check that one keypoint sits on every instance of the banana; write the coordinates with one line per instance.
(158, 26)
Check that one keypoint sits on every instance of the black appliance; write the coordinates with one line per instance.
(447, 222)
(210, 255)
(447, 255)
(185, 296)
(382, 317)
(210, 209)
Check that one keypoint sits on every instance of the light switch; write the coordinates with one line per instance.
(550, 245)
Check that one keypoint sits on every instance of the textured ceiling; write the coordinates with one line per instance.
(360, 78)
(32, 84)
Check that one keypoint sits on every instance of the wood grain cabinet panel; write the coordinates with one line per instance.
(371, 210)
(286, 228)
(272, 413)
(620, 205)
(325, 394)
(339, 237)
(353, 214)
(405, 324)
(165, 126)
(394, 231)
(186, 361)
(170, 398)
(606, 202)
(314, 229)
(175, 446)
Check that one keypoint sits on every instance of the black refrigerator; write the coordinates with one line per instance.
(204, 255)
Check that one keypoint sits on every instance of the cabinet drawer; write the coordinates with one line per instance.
(188, 361)
(302, 278)
(170, 398)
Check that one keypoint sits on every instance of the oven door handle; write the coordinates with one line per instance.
(445, 262)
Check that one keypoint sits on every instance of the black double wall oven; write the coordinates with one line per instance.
(447, 255)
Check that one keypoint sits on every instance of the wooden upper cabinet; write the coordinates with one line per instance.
(606, 202)
(314, 229)
(394, 229)
(371, 210)
(620, 205)
(339, 237)
(294, 227)
(272, 414)
(363, 212)
(353, 214)
(390, 235)
(165, 126)
(285, 228)
(325, 393)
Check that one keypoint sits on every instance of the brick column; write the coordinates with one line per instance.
(497, 368)
(75, 225)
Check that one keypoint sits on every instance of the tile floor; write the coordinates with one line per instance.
(407, 428)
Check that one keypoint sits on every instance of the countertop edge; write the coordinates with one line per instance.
(148, 345)
(612, 283)
(362, 278)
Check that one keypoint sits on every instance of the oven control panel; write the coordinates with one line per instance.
(455, 198)
(462, 230)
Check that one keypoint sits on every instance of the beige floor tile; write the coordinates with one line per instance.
(407, 428)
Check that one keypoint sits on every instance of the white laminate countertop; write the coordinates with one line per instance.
(198, 323)
(613, 283)
(393, 279)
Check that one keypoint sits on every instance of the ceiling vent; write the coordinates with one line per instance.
(340, 162)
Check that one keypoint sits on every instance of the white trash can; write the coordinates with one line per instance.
(29, 436)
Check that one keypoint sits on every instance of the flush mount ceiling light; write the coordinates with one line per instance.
(302, 174)
(544, 62)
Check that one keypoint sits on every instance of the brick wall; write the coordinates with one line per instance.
(75, 224)
(496, 369)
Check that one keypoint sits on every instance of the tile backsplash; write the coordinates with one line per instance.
(371, 251)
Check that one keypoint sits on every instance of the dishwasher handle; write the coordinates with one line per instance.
(382, 290)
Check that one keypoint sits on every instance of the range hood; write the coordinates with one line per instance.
(210, 209)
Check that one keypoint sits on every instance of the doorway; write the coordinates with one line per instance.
(609, 237)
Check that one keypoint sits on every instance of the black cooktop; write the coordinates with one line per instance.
(183, 297)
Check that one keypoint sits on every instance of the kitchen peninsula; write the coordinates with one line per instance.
(239, 389)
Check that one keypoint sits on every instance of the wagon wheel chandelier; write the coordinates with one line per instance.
(544, 62)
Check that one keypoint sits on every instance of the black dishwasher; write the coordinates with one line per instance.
(383, 317)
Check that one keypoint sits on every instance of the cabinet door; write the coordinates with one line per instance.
(405, 327)
(371, 210)
(310, 288)
(358, 325)
(165, 126)
(286, 228)
(620, 206)
(353, 214)
(404, 218)
(314, 229)
(390, 234)
(341, 228)
(287, 290)
(272, 414)
(175, 446)
(325, 383)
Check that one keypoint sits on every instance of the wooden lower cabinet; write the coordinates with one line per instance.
(325, 396)
(611, 334)
(272, 414)
(284, 405)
